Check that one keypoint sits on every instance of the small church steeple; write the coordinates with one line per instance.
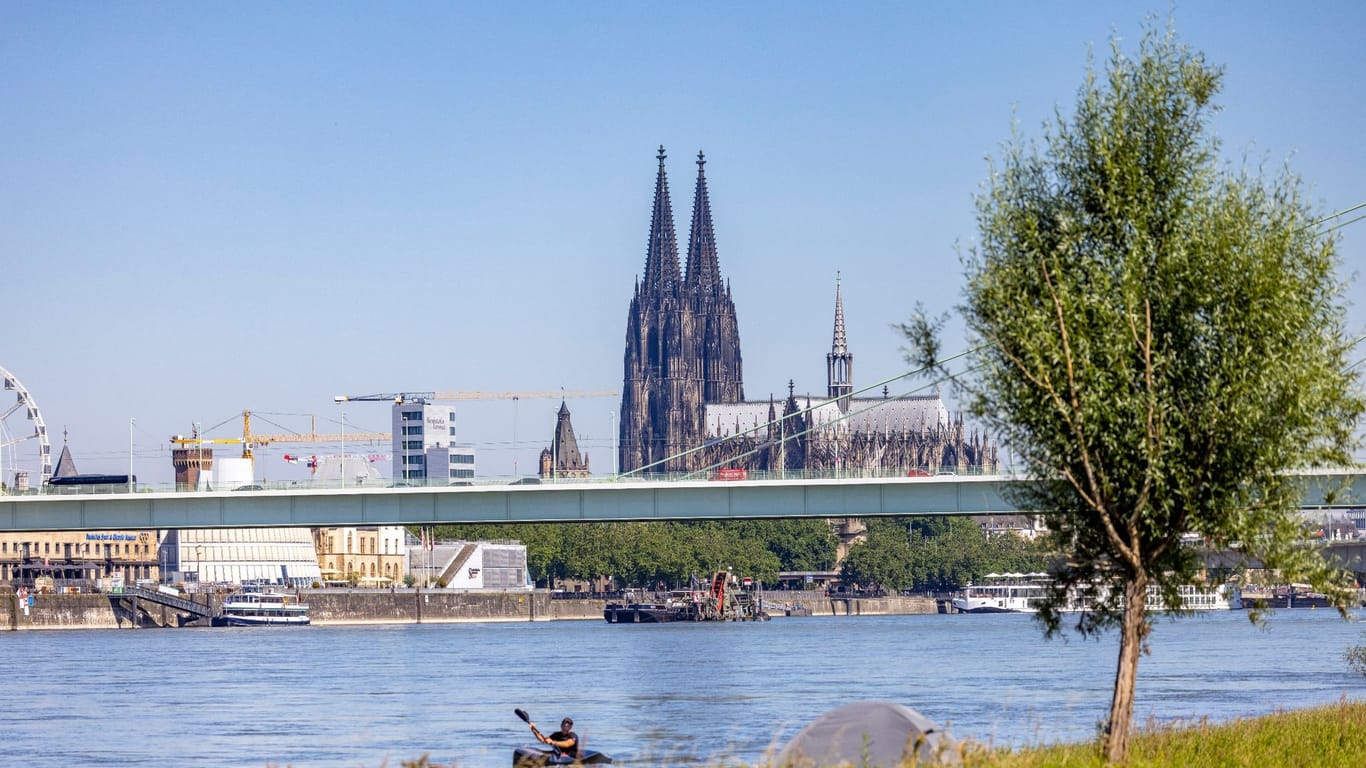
(66, 466)
(839, 363)
(562, 459)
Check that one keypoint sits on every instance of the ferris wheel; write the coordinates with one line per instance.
(25, 454)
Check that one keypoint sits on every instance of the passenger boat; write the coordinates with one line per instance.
(1022, 593)
(251, 608)
(1003, 593)
(1222, 598)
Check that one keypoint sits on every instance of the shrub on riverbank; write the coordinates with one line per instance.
(1332, 736)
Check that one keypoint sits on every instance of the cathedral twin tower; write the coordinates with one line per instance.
(683, 404)
(682, 339)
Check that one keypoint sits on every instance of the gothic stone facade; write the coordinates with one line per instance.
(683, 406)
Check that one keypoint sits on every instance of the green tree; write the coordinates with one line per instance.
(799, 545)
(1158, 338)
(937, 554)
(884, 559)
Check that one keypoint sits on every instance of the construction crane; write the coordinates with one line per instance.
(249, 440)
(448, 396)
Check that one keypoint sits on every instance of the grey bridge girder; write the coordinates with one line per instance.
(558, 502)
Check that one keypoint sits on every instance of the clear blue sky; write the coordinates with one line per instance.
(207, 208)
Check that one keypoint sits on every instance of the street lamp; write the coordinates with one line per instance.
(612, 417)
(130, 454)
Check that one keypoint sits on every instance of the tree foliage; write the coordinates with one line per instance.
(1160, 339)
(644, 554)
(936, 554)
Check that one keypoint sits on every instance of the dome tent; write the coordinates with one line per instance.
(877, 734)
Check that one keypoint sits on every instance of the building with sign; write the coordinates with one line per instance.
(77, 560)
(425, 451)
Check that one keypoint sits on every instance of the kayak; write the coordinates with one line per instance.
(528, 757)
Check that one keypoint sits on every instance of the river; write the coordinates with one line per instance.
(374, 696)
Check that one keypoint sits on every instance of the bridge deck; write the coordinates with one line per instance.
(564, 501)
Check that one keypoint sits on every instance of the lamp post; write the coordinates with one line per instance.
(612, 420)
(514, 436)
(343, 448)
(130, 454)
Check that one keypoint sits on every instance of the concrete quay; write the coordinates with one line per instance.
(401, 606)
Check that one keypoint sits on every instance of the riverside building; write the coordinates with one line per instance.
(374, 555)
(76, 560)
(240, 555)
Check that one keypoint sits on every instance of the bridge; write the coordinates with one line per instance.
(617, 499)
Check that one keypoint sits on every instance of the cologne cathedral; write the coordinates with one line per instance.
(683, 406)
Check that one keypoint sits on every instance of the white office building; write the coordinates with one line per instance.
(425, 451)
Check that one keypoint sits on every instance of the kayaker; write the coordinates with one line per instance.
(565, 741)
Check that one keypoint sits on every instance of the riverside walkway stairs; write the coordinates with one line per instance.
(131, 597)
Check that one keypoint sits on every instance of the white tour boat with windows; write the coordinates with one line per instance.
(1022, 593)
(254, 608)
(1003, 593)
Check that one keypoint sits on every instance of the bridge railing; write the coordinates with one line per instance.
(721, 476)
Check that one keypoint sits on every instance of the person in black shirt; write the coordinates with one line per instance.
(564, 741)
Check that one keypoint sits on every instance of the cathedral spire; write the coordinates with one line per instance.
(704, 268)
(839, 364)
(840, 345)
(661, 257)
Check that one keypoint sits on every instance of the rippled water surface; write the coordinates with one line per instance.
(376, 695)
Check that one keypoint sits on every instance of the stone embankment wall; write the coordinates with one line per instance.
(820, 605)
(101, 611)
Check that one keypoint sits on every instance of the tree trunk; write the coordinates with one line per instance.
(1133, 635)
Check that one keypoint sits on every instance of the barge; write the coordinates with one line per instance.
(725, 599)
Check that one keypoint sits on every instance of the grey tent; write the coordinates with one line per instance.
(877, 734)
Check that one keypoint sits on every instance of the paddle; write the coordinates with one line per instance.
(527, 719)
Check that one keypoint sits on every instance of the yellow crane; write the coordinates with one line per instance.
(249, 440)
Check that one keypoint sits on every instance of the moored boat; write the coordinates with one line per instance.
(1284, 596)
(251, 608)
(1023, 592)
(1002, 593)
(726, 599)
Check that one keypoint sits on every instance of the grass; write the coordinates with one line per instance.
(1332, 736)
